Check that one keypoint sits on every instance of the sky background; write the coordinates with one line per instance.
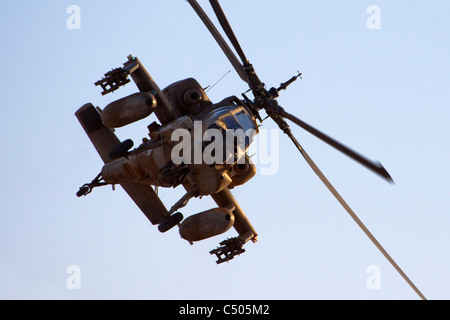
(384, 92)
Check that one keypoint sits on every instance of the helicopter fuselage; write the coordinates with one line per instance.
(206, 151)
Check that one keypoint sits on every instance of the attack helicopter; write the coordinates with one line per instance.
(183, 109)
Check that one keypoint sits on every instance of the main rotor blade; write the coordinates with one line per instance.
(220, 40)
(374, 166)
(228, 30)
(353, 214)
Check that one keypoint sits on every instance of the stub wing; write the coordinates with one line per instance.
(104, 139)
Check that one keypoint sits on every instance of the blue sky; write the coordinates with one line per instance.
(383, 92)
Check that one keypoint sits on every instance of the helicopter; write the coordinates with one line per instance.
(184, 110)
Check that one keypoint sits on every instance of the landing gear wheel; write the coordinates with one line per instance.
(121, 149)
(170, 222)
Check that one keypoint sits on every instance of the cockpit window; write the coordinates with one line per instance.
(237, 129)
(218, 112)
(244, 120)
(231, 122)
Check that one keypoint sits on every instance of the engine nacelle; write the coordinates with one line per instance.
(206, 224)
(129, 109)
(188, 96)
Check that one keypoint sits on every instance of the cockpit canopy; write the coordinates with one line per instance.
(234, 124)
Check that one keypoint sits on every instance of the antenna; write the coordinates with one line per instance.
(210, 87)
